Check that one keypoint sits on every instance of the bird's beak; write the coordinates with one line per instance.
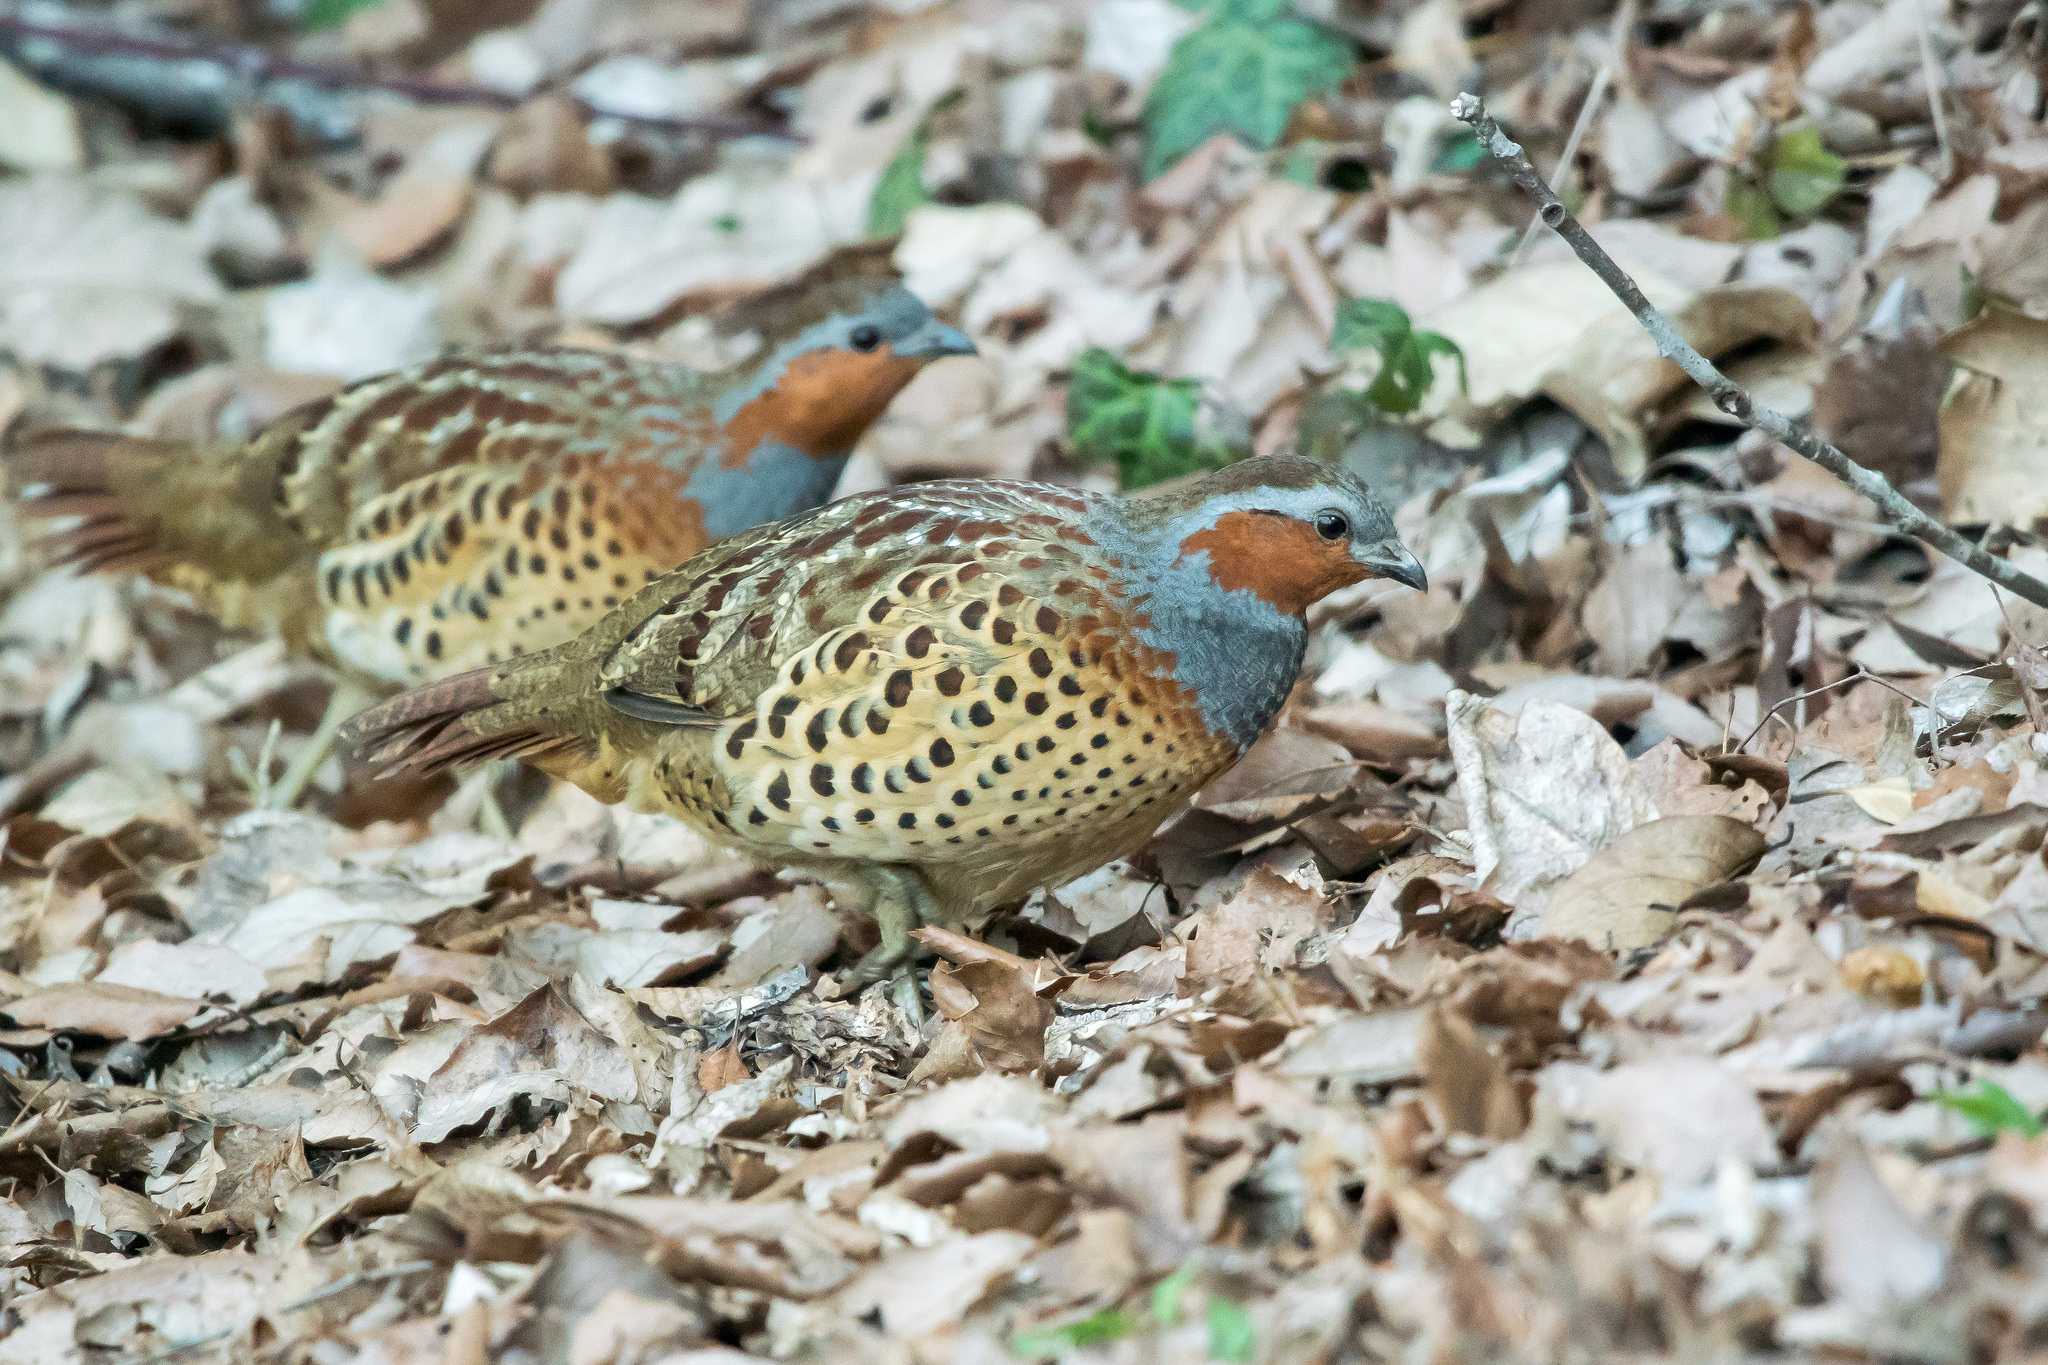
(1392, 560)
(933, 340)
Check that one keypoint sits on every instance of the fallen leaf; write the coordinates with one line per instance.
(1543, 792)
(1620, 899)
(1993, 441)
(104, 1010)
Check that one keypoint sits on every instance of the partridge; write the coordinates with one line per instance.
(471, 508)
(937, 697)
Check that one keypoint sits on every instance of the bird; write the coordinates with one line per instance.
(938, 697)
(459, 511)
(473, 507)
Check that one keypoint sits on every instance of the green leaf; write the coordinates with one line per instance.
(1166, 1295)
(1242, 72)
(1111, 1324)
(1231, 1336)
(1371, 324)
(900, 189)
(319, 14)
(1991, 1109)
(1407, 356)
(1460, 154)
(1756, 217)
(1804, 174)
(1151, 427)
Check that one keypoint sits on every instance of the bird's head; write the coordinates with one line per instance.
(1290, 531)
(820, 387)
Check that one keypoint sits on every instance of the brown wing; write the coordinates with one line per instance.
(335, 457)
(746, 612)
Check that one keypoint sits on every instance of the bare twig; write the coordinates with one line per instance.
(38, 44)
(1930, 72)
(1860, 675)
(1596, 95)
(1729, 396)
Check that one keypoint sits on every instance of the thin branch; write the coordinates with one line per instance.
(1930, 73)
(1729, 396)
(1596, 94)
(1860, 675)
(250, 66)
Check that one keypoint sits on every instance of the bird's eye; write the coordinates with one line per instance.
(1332, 524)
(866, 337)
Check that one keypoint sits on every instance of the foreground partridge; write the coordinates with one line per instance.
(937, 697)
(468, 509)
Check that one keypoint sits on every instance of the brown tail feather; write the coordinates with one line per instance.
(453, 723)
(90, 474)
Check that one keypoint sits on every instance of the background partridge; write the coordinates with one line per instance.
(468, 509)
(943, 695)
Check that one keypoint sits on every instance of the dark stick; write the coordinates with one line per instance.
(1729, 396)
(256, 66)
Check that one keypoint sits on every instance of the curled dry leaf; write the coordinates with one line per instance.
(1622, 898)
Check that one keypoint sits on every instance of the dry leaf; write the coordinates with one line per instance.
(1543, 792)
(1993, 438)
(1621, 898)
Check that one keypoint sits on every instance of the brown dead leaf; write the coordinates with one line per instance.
(541, 1047)
(720, 1068)
(1884, 972)
(1621, 897)
(1467, 1084)
(544, 148)
(102, 1009)
(1992, 438)
(997, 1006)
(418, 208)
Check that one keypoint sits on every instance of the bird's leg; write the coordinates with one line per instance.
(902, 902)
(344, 701)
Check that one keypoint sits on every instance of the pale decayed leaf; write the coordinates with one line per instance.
(1543, 792)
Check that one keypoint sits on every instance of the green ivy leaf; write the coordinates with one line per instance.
(1459, 155)
(1407, 356)
(1756, 217)
(322, 14)
(900, 189)
(1243, 72)
(1231, 1336)
(1111, 1324)
(1804, 174)
(1991, 1110)
(1153, 428)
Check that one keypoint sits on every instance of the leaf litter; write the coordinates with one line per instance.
(1632, 947)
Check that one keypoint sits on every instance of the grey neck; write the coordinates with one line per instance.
(1234, 651)
(775, 481)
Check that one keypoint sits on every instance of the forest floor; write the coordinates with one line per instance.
(1634, 947)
